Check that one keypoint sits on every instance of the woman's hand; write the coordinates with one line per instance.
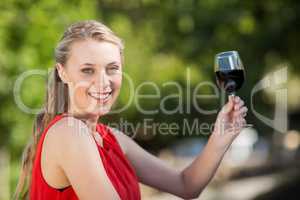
(229, 123)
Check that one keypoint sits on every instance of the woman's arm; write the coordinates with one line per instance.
(199, 173)
(77, 155)
(229, 124)
(190, 182)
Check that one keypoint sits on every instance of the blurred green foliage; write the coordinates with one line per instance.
(162, 39)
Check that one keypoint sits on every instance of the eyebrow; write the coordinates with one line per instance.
(93, 64)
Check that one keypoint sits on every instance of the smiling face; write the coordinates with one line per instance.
(93, 73)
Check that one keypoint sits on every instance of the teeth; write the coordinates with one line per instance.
(99, 96)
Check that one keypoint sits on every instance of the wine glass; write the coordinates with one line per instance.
(230, 73)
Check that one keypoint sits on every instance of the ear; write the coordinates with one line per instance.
(62, 73)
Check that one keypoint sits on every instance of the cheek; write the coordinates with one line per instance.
(117, 82)
(80, 97)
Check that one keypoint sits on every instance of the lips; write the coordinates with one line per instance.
(100, 96)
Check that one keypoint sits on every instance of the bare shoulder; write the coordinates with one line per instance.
(69, 134)
(68, 127)
(61, 137)
(80, 160)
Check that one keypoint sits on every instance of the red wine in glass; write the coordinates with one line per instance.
(230, 74)
(230, 80)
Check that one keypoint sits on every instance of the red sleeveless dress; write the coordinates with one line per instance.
(117, 167)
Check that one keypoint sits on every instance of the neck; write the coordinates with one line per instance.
(90, 120)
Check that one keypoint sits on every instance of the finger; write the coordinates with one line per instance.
(242, 112)
(231, 98)
(237, 125)
(238, 122)
(237, 99)
(238, 105)
(234, 131)
(242, 122)
(229, 105)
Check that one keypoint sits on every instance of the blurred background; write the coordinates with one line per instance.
(162, 40)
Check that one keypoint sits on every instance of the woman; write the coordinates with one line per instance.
(72, 156)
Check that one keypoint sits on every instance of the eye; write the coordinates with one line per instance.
(113, 68)
(88, 70)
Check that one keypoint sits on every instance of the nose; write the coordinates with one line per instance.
(102, 82)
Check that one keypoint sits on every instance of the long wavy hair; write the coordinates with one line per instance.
(57, 97)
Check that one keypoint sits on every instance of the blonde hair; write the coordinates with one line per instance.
(57, 97)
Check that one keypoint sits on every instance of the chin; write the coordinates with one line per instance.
(100, 111)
